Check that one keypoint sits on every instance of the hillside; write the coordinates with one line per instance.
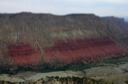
(56, 41)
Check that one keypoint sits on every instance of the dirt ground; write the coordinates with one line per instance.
(115, 73)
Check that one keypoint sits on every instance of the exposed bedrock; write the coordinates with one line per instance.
(83, 50)
(32, 39)
(23, 54)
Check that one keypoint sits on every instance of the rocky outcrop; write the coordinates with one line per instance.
(62, 80)
(23, 54)
(83, 50)
(32, 39)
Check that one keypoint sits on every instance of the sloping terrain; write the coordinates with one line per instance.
(35, 39)
(85, 50)
(23, 51)
(98, 75)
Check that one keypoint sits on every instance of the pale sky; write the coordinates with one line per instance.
(62, 7)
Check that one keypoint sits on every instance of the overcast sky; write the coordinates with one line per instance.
(61, 7)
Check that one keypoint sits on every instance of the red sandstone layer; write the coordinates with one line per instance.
(85, 50)
(23, 54)
(69, 51)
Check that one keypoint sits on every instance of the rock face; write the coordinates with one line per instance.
(85, 50)
(28, 39)
(23, 54)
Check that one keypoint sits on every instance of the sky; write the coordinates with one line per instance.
(62, 7)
